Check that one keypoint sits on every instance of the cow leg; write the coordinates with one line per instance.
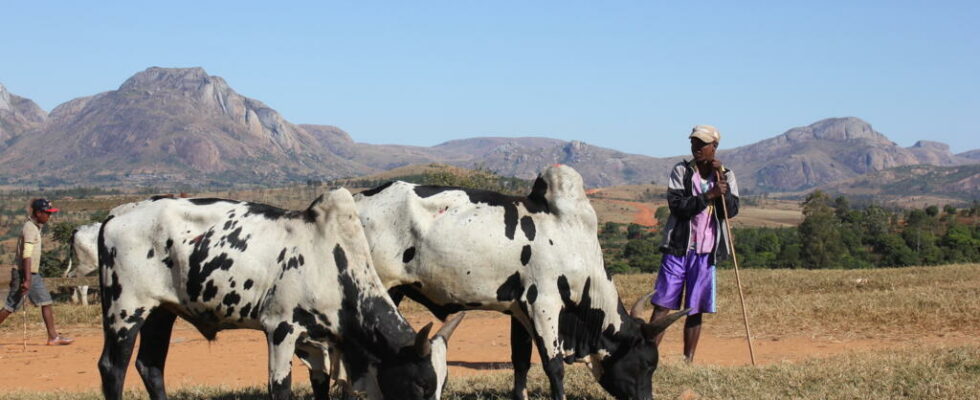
(120, 335)
(520, 355)
(282, 346)
(544, 316)
(83, 294)
(154, 343)
(318, 364)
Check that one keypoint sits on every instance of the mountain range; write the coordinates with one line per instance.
(167, 126)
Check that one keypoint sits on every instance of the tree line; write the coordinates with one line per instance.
(833, 234)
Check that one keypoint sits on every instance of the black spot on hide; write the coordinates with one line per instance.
(198, 272)
(209, 201)
(267, 211)
(115, 289)
(231, 298)
(579, 325)
(209, 291)
(526, 254)
(244, 311)
(527, 225)
(532, 294)
(533, 203)
(248, 284)
(149, 254)
(408, 255)
(282, 255)
(340, 258)
(236, 241)
(281, 332)
(511, 289)
(372, 192)
(309, 321)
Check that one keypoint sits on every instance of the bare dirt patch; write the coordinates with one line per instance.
(479, 346)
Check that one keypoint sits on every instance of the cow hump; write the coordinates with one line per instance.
(564, 191)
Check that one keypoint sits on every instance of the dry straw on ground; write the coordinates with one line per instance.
(881, 303)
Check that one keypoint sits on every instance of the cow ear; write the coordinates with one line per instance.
(449, 327)
(650, 331)
(422, 346)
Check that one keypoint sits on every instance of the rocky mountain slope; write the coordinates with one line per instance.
(170, 126)
(17, 116)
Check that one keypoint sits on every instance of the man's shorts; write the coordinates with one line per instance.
(38, 294)
(690, 274)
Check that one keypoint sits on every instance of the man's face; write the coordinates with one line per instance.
(703, 151)
(42, 216)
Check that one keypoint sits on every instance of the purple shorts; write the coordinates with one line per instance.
(690, 274)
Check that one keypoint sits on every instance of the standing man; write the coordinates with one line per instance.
(693, 236)
(25, 279)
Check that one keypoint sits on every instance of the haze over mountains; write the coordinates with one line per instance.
(182, 126)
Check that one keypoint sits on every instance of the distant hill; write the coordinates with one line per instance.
(939, 184)
(17, 116)
(181, 126)
(167, 124)
(972, 154)
(827, 151)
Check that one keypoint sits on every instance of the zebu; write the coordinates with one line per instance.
(83, 245)
(536, 258)
(305, 278)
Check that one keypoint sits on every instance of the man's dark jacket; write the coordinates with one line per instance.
(684, 205)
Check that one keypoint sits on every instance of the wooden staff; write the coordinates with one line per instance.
(24, 299)
(738, 280)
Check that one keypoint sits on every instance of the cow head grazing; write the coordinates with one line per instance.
(627, 373)
(418, 371)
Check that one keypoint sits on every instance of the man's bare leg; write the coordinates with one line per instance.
(48, 315)
(692, 332)
(658, 314)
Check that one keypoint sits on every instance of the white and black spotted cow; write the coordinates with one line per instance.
(83, 245)
(305, 278)
(536, 258)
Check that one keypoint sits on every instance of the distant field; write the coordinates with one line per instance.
(630, 203)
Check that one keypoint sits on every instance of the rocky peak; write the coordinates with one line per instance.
(4, 98)
(930, 145)
(157, 78)
(834, 129)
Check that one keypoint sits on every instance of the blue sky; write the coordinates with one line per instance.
(631, 75)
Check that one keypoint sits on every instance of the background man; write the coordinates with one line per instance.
(693, 235)
(25, 279)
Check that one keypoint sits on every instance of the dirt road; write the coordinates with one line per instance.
(238, 358)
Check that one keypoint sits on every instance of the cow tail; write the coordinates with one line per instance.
(71, 252)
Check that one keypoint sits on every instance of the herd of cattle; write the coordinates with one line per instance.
(324, 284)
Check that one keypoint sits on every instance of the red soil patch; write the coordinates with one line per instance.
(480, 345)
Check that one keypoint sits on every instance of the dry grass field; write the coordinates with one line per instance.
(906, 333)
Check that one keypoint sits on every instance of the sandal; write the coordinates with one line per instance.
(60, 341)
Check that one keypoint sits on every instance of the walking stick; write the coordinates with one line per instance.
(25, 322)
(738, 280)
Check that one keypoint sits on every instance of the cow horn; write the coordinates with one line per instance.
(422, 347)
(650, 331)
(637, 310)
(449, 327)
